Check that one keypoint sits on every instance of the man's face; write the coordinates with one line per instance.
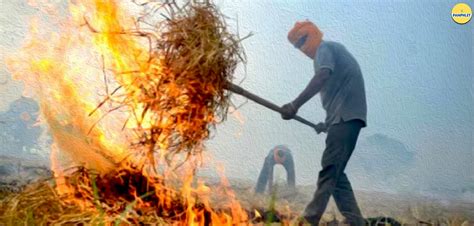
(311, 44)
(301, 41)
(306, 37)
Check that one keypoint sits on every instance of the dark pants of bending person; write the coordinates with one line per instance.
(340, 143)
(280, 154)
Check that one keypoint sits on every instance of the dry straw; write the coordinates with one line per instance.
(185, 97)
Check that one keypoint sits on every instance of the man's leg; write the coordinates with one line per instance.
(334, 160)
(266, 174)
(315, 209)
(343, 194)
(346, 202)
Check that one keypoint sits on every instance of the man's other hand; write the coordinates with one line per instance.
(321, 128)
(288, 111)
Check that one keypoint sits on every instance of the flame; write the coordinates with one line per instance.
(51, 74)
(67, 70)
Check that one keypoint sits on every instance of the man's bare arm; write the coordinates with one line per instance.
(313, 87)
(288, 111)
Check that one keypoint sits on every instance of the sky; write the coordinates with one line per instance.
(418, 70)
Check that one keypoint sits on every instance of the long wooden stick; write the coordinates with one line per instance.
(241, 91)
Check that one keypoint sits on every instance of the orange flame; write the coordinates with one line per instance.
(57, 69)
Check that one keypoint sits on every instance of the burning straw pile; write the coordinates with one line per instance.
(174, 91)
(181, 92)
(200, 56)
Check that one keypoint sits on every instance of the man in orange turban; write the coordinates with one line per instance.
(339, 81)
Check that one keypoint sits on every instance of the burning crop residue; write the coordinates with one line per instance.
(129, 105)
(175, 87)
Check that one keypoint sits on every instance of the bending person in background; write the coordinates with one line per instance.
(338, 80)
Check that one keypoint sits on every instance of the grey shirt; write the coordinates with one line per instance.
(343, 94)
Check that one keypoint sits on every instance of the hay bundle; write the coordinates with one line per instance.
(182, 94)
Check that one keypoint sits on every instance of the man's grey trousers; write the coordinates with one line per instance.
(340, 143)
